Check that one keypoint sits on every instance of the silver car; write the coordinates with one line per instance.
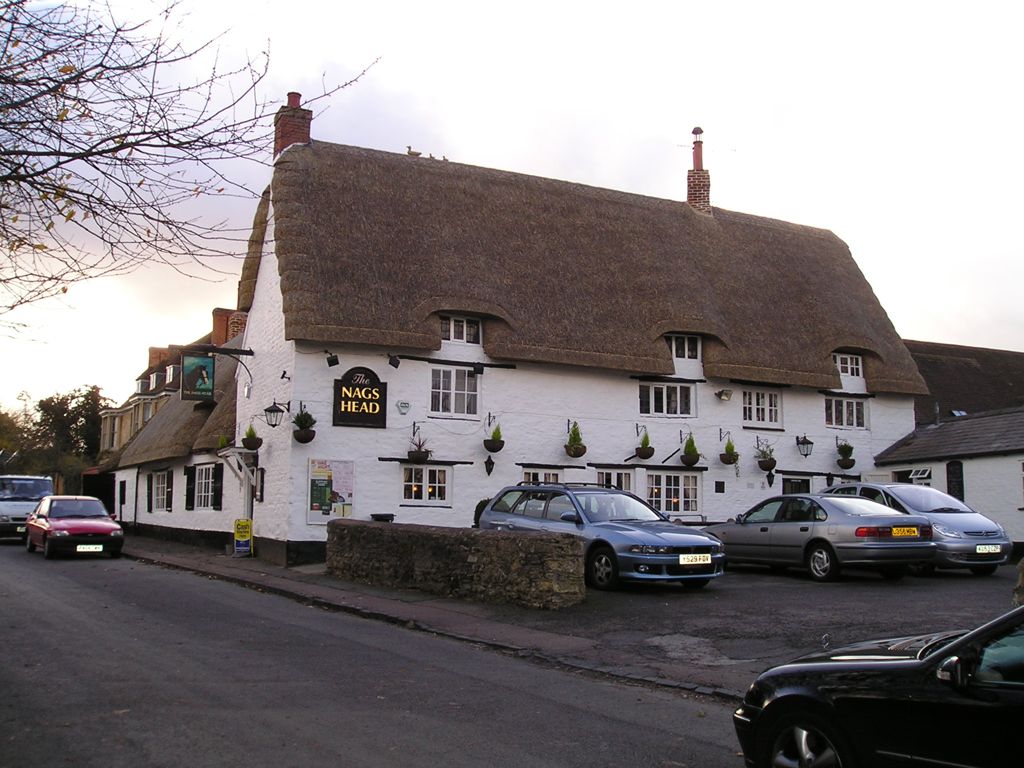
(963, 538)
(826, 534)
(624, 537)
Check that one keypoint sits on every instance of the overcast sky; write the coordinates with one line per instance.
(898, 126)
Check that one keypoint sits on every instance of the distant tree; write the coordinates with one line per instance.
(69, 424)
(101, 143)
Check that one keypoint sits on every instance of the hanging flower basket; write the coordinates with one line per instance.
(493, 446)
(576, 450)
(644, 453)
(689, 459)
(304, 435)
(766, 465)
(252, 443)
(846, 463)
(418, 457)
(728, 458)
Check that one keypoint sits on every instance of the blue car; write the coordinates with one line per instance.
(624, 537)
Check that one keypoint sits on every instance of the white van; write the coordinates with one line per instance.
(19, 495)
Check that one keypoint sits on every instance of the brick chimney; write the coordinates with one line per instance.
(291, 124)
(157, 355)
(236, 323)
(219, 332)
(698, 181)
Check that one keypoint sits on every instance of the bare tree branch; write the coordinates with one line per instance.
(103, 146)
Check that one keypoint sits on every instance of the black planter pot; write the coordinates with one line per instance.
(689, 459)
(418, 457)
(766, 465)
(252, 443)
(728, 458)
(575, 451)
(846, 463)
(304, 435)
(493, 446)
(644, 453)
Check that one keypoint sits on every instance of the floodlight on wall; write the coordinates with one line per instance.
(805, 445)
(724, 395)
(393, 361)
(332, 359)
(274, 413)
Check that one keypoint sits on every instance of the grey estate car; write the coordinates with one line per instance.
(963, 538)
(624, 537)
(826, 534)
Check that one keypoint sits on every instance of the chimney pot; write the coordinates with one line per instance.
(698, 180)
(291, 124)
(294, 98)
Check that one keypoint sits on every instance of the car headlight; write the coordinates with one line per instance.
(946, 531)
(4, 519)
(648, 549)
(59, 533)
(118, 532)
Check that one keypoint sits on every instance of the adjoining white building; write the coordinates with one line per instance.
(395, 297)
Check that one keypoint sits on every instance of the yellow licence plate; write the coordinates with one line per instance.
(89, 548)
(910, 530)
(694, 559)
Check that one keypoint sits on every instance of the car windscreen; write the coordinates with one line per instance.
(921, 498)
(77, 508)
(602, 507)
(24, 488)
(857, 505)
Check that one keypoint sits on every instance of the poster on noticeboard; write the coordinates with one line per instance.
(331, 488)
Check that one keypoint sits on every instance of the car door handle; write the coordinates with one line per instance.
(804, 528)
(764, 529)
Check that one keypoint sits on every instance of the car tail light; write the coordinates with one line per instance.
(926, 532)
(873, 531)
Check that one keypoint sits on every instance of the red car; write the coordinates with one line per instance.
(73, 525)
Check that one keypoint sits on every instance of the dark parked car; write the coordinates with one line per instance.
(963, 538)
(943, 699)
(625, 538)
(73, 525)
(826, 534)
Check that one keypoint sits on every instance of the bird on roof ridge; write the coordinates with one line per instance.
(412, 152)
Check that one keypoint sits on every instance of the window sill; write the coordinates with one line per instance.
(426, 506)
(452, 417)
(764, 428)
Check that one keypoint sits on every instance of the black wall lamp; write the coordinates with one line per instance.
(393, 361)
(805, 445)
(724, 395)
(274, 413)
(332, 359)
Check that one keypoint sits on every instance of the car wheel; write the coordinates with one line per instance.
(49, 551)
(696, 583)
(984, 570)
(602, 569)
(115, 553)
(805, 740)
(29, 546)
(822, 563)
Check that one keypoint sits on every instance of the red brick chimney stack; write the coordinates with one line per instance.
(291, 124)
(698, 180)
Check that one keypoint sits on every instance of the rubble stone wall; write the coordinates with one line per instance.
(536, 570)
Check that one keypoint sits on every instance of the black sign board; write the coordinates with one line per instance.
(360, 400)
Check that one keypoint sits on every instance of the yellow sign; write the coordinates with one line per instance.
(243, 537)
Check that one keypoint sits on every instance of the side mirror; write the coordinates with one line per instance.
(952, 670)
(570, 517)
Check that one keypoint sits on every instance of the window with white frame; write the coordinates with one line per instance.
(453, 391)
(684, 347)
(204, 486)
(425, 484)
(532, 476)
(762, 407)
(462, 329)
(160, 491)
(844, 412)
(621, 480)
(849, 365)
(670, 492)
(666, 399)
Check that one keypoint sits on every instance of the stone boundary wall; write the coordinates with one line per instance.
(536, 570)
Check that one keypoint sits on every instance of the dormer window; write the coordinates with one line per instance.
(465, 330)
(849, 365)
(156, 380)
(172, 372)
(684, 347)
(140, 386)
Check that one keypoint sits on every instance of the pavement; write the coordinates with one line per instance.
(518, 631)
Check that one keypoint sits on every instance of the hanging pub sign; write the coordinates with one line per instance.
(359, 400)
(197, 377)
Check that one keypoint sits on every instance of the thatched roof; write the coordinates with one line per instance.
(968, 379)
(183, 427)
(371, 245)
(996, 433)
